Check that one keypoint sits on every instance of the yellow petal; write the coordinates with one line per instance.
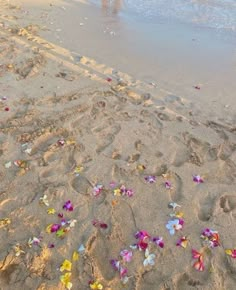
(228, 252)
(75, 256)
(66, 266)
(51, 211)
(48, 229)
(65, 280)
(69, 285)
(117, 192)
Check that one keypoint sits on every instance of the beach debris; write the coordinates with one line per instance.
(99, 224)
(210, 238)
(182, 242)
(198, 265)
(158, 241)
(198, 179)
(26, 149)
(231, 253)
(6, 109)
(126, 255)
(4, 222)
(44, 200)
(68, 206)
(174, 225)
(150, 179)
(109, 79)
(95, 285)
(197, 87)
(65, 280)
(149, 259)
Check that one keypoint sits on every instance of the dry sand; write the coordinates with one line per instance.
(120, 131)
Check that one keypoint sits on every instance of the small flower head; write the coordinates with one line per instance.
(97, 190)
(231, 253)
(149, 258)
(174, 225)
(168, 185)
(65, 280)
(68, 206)
(150, 179)
(126, 255)
(158, 241)
(198, 179)
(66, 266)
(182, 242)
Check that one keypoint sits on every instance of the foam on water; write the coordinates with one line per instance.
(220, 14)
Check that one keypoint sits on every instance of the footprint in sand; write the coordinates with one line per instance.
(186, 282)
(228, 203)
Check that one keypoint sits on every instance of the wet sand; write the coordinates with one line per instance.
(122, 151)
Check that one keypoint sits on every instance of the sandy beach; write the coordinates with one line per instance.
(107, 181)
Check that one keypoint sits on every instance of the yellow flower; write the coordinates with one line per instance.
(51, 210)
(117, 192)
(48, 228)
(66, 266)
(78, 169)
(96, 285)
(65, 280)
(18, 251)
(75, 256)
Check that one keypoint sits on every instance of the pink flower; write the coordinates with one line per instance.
(197, 179)
(55, 228)
(168, 185)
(142, 235)
(68, 206)
(126, 255)
(158, 241)
(97, 189)
(150, 178)
(115, 264)
(123, 272)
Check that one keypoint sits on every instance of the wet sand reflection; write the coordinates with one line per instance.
(111, 6)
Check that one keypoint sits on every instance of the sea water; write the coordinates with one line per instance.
(218, 14)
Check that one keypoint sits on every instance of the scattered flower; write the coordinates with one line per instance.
(231, 253)
(109, 80)
(150, 178)
(61, 142)
(142, 235)
(34, 241)
(126, 255)
(117, 192)
(65, 279)
(211, 238)
(173, 205)
(61, 233)
(66, 266)
(158, 241)
(51, 246)
(21, 164)
(150, 258)
(78, 169)
(44, 200)
(75, 256)
(51, 211)
(97, 190)
(182, 242)
(112, 184)
(4, 222)
(174, 225)
(60, 215)
(178, 214)
(72, 223)
(81, 248)
(168, 185)
(7, 109)
(68, 206)
(197, 87)
(141, 167)
(100, 224)
(54, 228)
(95, 285)
(197, 179)
(198, 265)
